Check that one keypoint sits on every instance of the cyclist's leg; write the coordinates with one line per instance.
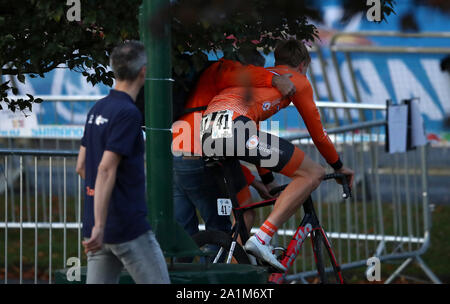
(305, 179)
(279, 155)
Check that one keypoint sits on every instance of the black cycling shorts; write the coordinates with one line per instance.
(239, 138)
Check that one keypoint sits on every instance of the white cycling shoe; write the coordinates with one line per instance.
(264, 252)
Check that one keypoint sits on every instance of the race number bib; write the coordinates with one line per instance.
(224, 206)
(222, 126)
(206, 121)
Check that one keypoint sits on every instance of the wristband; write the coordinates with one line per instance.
(337, 165)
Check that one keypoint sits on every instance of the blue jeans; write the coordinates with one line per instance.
(141, 257)
(194, 188)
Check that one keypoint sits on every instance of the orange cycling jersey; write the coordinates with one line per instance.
(220, 75)
(265, 102)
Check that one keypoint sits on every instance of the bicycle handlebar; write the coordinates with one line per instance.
(346, 188)
(277, 189)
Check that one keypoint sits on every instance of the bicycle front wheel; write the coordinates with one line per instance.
(218, 245)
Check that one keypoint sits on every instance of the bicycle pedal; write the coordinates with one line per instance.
(279, 255)
(280, 249)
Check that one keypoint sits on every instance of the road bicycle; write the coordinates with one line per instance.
(224, 248)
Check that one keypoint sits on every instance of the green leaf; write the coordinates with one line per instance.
(4, 86)
(12, 107)
(21, 78)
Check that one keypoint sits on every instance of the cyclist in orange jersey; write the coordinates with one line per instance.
(220, 75)
(230, 129)
(193, 188)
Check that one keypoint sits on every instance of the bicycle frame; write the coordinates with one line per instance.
(309, 225)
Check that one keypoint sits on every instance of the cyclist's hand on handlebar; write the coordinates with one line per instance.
(262, 189)
(273, 185)
(347, 172)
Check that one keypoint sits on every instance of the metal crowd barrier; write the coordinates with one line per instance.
(388, 216)
(40, 212)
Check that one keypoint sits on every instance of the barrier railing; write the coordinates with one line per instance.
(40, 213)
(389, 214)
(388, 217)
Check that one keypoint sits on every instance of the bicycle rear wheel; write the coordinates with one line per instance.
(328, 269)
(218, 244)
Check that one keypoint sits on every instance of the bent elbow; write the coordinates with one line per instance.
(105, 171)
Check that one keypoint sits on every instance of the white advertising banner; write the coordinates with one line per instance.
(25, 125)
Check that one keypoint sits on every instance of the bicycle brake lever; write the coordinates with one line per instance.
(345, 186)
(347, 191)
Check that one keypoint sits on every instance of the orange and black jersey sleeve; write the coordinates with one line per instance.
(303, 100)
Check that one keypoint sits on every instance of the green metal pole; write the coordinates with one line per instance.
(173, 240)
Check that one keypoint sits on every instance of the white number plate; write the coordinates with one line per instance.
(224, 206)
(206, 120)
(222, 126)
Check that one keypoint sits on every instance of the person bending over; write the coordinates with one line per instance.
(230, 129)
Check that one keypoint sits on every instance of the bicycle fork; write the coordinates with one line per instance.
(309, 225)
(293, 249)
(318, 237)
